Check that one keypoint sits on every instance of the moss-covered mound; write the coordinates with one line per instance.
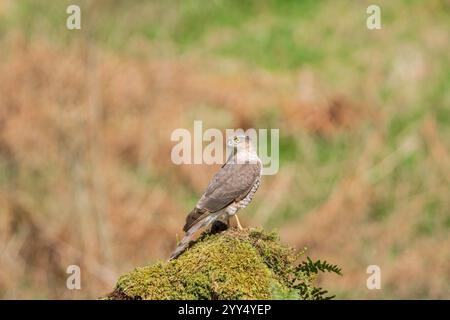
(247, 264)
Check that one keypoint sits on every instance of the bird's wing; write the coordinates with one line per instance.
(231, 182)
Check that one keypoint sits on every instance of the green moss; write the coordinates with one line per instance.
(248, 264)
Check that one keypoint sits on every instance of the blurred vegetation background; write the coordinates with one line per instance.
(86, 117)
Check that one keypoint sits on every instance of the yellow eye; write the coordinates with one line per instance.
(236, 139)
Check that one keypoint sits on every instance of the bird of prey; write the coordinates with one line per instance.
(232, 188)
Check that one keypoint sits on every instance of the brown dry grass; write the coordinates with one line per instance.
(78, 127)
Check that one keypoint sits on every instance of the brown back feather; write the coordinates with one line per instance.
(195, 215)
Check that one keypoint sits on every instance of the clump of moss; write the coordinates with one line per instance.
(247, 264)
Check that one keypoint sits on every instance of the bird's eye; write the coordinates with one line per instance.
(236, 139)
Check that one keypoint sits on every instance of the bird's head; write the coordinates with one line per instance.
(239, 142)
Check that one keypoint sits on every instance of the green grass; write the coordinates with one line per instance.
(278, 41)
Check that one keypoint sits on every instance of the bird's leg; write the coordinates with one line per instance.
(238, 223)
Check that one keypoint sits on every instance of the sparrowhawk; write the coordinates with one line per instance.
(232, 188)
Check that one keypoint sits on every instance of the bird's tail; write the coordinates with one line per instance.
(183, 244)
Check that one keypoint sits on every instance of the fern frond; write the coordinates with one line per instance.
(313, 267)
(304, 275)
